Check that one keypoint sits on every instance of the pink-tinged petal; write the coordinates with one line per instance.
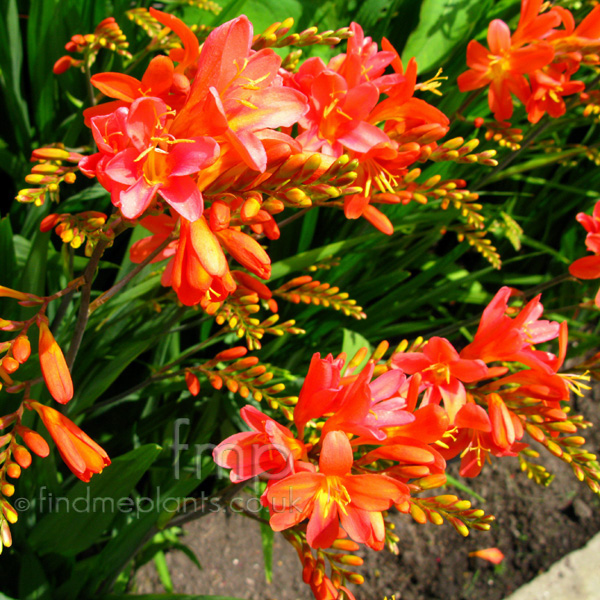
(325, 88)
(220, 58)
(386, 385)
(136, 199)
(226, 453)
(362, 137)
(498, 36)
(588, 222)
(117, 85)
(261, 63)
(145, 115)
(469, 370)
(323, 526)
(587, 267)
(336, 455)
(411, 362)
(88, 164)
(454, 396)
(123, 168)
(250, 149)
(392, 417)
(360, 101)
(182, 194)
(187, 159)
(364, 527)
(254, 418)
(103, 110)
(291, 106)
(473, 416)
(592, 240)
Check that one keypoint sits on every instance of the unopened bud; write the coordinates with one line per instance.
(13, 470)
(418, 514)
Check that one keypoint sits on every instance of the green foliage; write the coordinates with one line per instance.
(130, 371)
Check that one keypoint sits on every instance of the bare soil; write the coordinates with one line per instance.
(535, 527)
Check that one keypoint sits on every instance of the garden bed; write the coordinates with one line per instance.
(535, 527)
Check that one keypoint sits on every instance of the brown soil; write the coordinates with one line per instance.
(535, 527)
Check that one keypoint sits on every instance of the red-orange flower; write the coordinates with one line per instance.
(443, 372)
(334, 495)
(268, 448)
(83, 456)
(588, 267)
(503, 67)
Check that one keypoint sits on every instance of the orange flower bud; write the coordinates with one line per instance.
(34, 441)
(81, 454)
(351, 559)
(63, 64)
(22, 456)
(252, 284)
(49, 222)
(345, 544)
(9, 364)
(7, 489)
(247, 251)
(13, 470)
(220, 215)
(7, 420)
(21, 348)
(232, 353)
(5, 536)
(9, 512)
(8, 293)
(378, 219)
(54, 367)
(192, 383)
(249, 209)
(216, 382)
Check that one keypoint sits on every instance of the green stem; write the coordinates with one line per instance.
(123, 282)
